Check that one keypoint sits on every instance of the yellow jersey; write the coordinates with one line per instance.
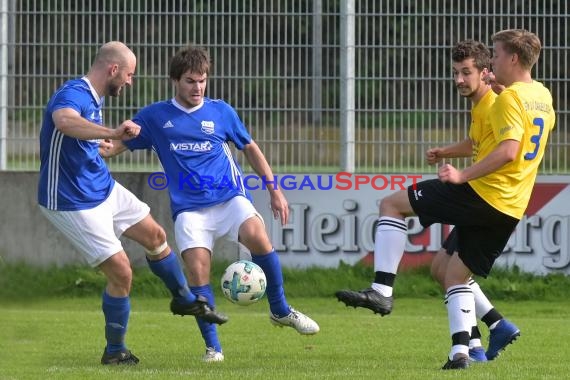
(480, 131)
(522, 112)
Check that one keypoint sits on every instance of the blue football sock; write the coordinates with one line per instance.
(275, 293)
(116, 311)
(208, 330)
(168, 269)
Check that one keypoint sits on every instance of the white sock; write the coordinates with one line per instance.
(385, 290)
(482, 303)
(475, 343)
(390, 243)
(461, 315)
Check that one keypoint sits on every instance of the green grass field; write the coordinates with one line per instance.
(63, 339)
(52, 327)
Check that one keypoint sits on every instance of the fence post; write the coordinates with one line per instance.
(317, 81)
(3, 82)
(347, 87)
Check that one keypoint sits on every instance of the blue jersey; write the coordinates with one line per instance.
(73, 176)
(192, 146)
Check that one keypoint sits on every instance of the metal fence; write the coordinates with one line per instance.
(322, 85)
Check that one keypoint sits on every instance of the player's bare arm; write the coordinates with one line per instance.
(109, 148)
(257, 160)
(461, 149)
(505, 152)
(69, 122)
(127, 130)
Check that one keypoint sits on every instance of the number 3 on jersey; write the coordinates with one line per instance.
(535, 139)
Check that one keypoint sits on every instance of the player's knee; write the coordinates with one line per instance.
(159, 235)
(452, 279)
(157, 250)
(121, 279)
(256, 243)
(388, 206)
(396, 205)
(384, 205)
(251, 227)
(126, 278)
(157, 242)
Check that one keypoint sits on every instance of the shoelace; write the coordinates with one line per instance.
(294, 315)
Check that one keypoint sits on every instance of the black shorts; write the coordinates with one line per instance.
(481, 231)
(450, 244)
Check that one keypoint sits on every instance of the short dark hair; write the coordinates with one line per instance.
(191, 58)
(472, 49)
(521, 42)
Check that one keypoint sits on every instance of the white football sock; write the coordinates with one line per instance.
(461, 314)
(475, 343)
(391, 236)
(482, 303)
(385, 290)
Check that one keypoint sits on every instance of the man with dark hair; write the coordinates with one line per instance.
(484, 201)
(471, 62)
(191, 134)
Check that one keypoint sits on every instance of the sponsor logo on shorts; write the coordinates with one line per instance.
(417, 194)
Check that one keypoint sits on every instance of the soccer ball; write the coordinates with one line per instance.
(243, 283)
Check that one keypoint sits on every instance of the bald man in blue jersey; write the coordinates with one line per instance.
(191, 134)
(78, 195)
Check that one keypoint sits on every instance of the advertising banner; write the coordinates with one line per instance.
(333, 216)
